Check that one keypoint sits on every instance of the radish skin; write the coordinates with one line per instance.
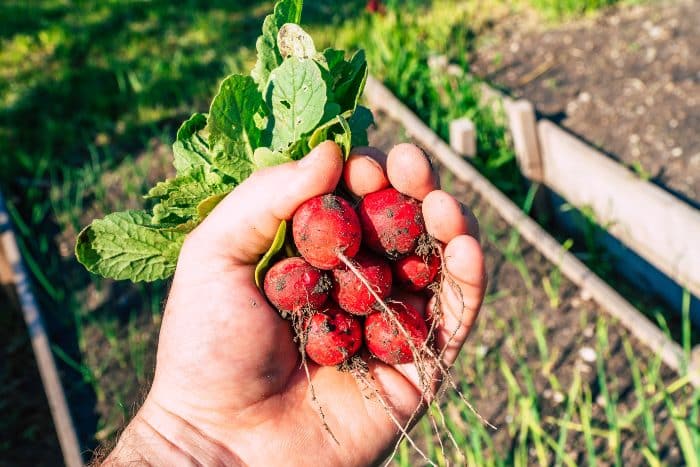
(386, 341)
(332, 336)
(392, 223)
(325, 226)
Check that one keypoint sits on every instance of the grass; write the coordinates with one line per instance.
(561, 9)
(593, 416)
(91, 94)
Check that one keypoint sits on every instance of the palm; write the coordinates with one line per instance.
(228, 363)
(253, 368)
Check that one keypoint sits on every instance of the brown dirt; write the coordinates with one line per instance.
(27, 435)
(504, 331)
(626, 80)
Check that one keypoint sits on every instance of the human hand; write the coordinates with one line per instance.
(228, 387)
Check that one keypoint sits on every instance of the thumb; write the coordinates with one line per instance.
(243, 225)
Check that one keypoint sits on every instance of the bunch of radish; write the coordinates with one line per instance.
(353, 259)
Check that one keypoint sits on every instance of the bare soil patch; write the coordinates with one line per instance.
(626, 80)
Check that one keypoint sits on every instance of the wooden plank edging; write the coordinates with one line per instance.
(67, 435)
(656, 225)
(640, 326)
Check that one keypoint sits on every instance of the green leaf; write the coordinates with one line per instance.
(297, 97)
(332, 58)
(208, 204)
(360, 121)
(293, 41)
(190, 148)
(269, 58)
(276, 246)
(330, 112)
(180, 197)
(233, 126)
(349, 87)
(333, 67)
(299, 148)
(265, 157)
(320, 134)
(124, 245)
(344, 138)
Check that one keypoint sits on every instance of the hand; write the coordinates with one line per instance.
(228, 387)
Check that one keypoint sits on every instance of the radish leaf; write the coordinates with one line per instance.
(360, 120)
(294, 99)
(190, 148)
(233, 130)
(125, 245)
(276, 246)
(269, 57)
(293, 41)
(297, 96)
(265, 157)
(179, 198)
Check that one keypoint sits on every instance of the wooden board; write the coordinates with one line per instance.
(658, 226)
(14, 272)
(613, 303)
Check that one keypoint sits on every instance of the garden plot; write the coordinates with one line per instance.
(554, 374)
(562, 381)
(626, 80)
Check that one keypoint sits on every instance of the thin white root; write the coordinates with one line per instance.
(302, 344)
(402, 429)
(427, 362)
(317, 403)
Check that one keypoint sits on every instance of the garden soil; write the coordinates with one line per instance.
(627, 80)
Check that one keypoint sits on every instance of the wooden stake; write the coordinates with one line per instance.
(463, 136)
(523, 129)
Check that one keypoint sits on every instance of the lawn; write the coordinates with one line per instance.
(91, 97)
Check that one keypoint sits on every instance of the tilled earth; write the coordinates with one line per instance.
(626, 80)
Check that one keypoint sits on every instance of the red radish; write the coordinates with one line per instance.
(333, 336)
(324, 227)
(387, 341)
(349, 291)
(293, 284)
(391, 222)
(415, 273)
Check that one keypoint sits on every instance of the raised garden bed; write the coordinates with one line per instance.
(671, 353)
(535, 346)
(625, 80)
(623, 86)
(31, 424)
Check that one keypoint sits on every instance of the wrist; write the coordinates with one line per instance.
(156, 437)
